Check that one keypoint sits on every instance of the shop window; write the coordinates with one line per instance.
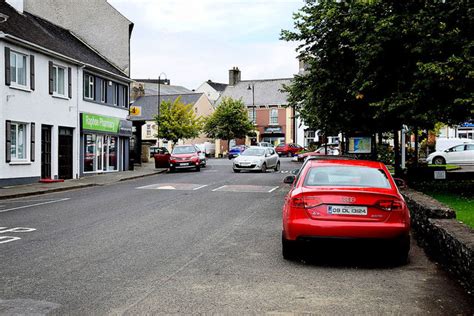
(101, 153)
(18, 141)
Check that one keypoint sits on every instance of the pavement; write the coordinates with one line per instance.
(146, 169)
(190, 242)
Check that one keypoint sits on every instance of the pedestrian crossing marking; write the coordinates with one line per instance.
(173, 186)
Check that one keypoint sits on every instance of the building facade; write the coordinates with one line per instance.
(212, 90)
(64, 108)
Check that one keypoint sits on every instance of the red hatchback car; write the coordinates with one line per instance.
(345, 199)
(288, 149)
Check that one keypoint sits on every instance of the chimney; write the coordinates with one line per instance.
(16, 4)
(234, 76)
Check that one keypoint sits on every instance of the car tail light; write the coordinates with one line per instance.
(306, 202)
(389, 205)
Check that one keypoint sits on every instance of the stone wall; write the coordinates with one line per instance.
(444, 239)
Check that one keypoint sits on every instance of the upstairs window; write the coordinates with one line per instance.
(124, 96)
(103, 91)
(59, 81)
(89, 87)
(18, 65)
(252, 116)
(273, 116)
(115, 94)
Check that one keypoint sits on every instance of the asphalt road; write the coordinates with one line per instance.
(187, 243)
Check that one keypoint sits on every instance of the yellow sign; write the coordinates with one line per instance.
(135, 110)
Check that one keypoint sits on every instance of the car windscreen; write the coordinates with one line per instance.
(184, 150)
(254, 152)
(347, 176)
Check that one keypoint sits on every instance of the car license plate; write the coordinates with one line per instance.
(184, 164)
(245, 163)
(347, 210)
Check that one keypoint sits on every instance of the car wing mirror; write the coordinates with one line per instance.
(400, 183)
(289, 179)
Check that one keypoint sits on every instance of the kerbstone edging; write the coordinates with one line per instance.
(444, 239)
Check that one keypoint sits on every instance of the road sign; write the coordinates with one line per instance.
(135, 110)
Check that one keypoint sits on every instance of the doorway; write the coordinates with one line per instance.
(45, 152)
(65, 147)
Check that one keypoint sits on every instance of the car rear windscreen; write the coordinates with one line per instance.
(347, 176)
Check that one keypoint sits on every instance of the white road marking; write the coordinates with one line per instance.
(31, 205)
(151, 186)
(219, 188)
(17, 230)
(202, 186)
(166, 187)
(209, 171)
(273, 189)
(5, 239)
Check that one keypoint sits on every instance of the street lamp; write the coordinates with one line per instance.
(158, 109)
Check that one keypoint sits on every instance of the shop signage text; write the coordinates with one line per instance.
(100, 123)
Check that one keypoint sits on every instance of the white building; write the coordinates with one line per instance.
(63, 107)
(212, 90)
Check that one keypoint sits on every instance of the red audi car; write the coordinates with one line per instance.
(288, 149)
(345, 199)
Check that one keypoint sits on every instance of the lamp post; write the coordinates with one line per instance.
(159, 103)
(254, 117)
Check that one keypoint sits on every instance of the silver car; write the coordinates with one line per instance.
(257, 159)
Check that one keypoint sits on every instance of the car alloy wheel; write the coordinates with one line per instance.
(264, 168)
(439, 161)
(277, 167)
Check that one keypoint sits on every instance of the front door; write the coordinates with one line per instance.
(65, 146)
(45, 152)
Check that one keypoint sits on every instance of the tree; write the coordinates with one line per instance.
(375, 65)
(177, 121)
(229, 121)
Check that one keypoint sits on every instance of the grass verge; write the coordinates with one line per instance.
(464, 206)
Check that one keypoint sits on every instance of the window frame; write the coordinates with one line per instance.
(56, 68)
(252, 117)
(115, 94)
(14, 69)
(14, 145)
(91, 84)
(273, 110)
(103, 91)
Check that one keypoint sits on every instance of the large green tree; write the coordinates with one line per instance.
(177, 121)
(375, 65)
(229, 121)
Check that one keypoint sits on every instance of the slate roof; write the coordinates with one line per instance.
(217, 86)
(151, 89)
(149, 104)
(38, 31)
(267, 92)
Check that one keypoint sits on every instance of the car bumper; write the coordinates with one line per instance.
(184, 165)
(307, 228)
(250, 167)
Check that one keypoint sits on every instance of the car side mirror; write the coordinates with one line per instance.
(400, 183)
(289, 179)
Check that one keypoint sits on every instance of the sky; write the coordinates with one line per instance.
(191, 41)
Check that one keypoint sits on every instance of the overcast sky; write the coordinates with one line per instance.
(196, 40)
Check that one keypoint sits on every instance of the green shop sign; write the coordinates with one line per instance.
(100, 123)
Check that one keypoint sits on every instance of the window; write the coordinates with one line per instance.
(124, 96)
(115, 93)
(89, 87)
(273, 116)
(349, 176)
(18, 141)
(59, 81)
(103, 91)
(148, 130)
(252, 116)
(18, 68)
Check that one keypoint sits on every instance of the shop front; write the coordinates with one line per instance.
(273, 135)
(105, 143)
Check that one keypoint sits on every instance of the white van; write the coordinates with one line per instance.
(445, 143)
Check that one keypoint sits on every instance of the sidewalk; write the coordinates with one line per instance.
(147, 169)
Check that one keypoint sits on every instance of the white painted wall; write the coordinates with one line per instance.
(36, 106)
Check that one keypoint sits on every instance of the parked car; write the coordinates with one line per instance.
(460, 154)
(185, 157)
(288, 149)
(257, 158)
(265, 144)
(202, 157)
(162, 157)
(321, 151)
(236, 151)
(344, 199)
